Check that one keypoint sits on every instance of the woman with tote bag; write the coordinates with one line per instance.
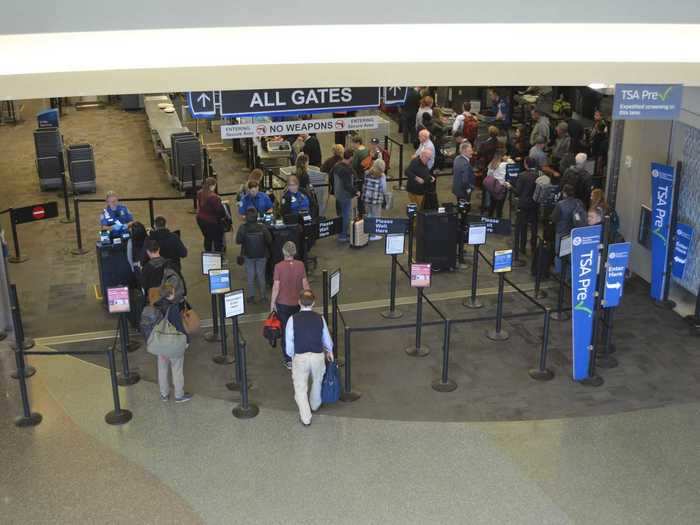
(167, 339)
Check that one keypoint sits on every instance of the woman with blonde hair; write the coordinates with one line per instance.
(302, 170)
(598, 208)
(373, 191)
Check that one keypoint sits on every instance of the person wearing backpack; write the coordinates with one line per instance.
(308, 345)
(466, 124)
(163, 329)
(255, 240)
(579, 178)
(569, 213)
(158, 271)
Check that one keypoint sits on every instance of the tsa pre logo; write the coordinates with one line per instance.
(577, 241)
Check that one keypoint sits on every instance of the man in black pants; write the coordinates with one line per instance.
(527, 207)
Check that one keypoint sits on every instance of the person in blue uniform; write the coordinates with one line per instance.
(115, 215)
(294, 200)
(255, 198)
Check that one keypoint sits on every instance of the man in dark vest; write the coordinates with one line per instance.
(308, 343)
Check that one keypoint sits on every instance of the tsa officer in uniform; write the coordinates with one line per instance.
(115, 214)
(294, 200)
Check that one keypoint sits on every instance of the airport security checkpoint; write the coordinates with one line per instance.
(465, 253)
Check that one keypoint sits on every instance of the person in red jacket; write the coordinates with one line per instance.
(210, 216)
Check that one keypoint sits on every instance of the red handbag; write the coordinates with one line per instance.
(272, 329)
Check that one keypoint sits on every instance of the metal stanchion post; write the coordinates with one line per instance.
(193, 211)
(539, 263)
(245, 410)
(127, 377)
(445, 384)
(347, 394)
(213, 336)
(28, 418)
(411, 221)
(118, 416)
(67, 219)
(517, 262)
(334, 335)
(235, 385)
(604, 359)
(542, 373)
(499, 334)
(18, 329)
(560, 315)
(418, 350)
(392, 313)
(78, 233)
(224, 358)
(400, 186)
(324, 277)
(151, 212)
(472, 301)
(18, 258)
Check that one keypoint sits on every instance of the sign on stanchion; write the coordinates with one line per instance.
(220, 284)
(33, 213)
(118, 303)
(502, 264)
(476, 236)
(393, 246)
(420, 278)
(664, 189)
(584, 275)
(411, 211)
(212, 261)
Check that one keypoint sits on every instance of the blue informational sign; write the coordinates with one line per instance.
(662, 183)
(618, 260)
(512, 171)
(502, 261)
(219, 281)
(647, 101)
(585, 244)
(201, 103)
(684, 240)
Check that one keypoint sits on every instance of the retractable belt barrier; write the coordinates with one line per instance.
(118, 416)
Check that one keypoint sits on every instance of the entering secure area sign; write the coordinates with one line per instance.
(297, 127)
(585, 244)
(647, 101)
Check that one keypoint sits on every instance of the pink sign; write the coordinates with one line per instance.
(420, 275)
(118, 300)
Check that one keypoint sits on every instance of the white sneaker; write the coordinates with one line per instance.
(375, 237)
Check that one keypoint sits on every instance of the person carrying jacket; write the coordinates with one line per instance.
(463, 178)
(343, 182)
(255, 240)
(171, 246)
(308, 344)
(524, 189)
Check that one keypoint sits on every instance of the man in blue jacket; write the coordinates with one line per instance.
(255, 199)
(462, 173)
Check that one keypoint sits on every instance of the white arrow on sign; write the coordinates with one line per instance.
(613, 286)
(679, 260)
(203, 99)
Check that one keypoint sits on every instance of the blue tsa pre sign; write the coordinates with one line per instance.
(684, 240)
(647, 101)
(585, 243)
(618, 259)
(662, 183)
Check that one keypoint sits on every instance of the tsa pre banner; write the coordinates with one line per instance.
(585, 243)
(662, 182)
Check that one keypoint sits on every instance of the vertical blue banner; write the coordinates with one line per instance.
(585, 243)
(684, 240)
(662, 181)
(618, 259)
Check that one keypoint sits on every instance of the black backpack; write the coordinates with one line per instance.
(579, 217)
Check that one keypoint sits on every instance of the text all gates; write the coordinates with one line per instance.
(297, 127)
